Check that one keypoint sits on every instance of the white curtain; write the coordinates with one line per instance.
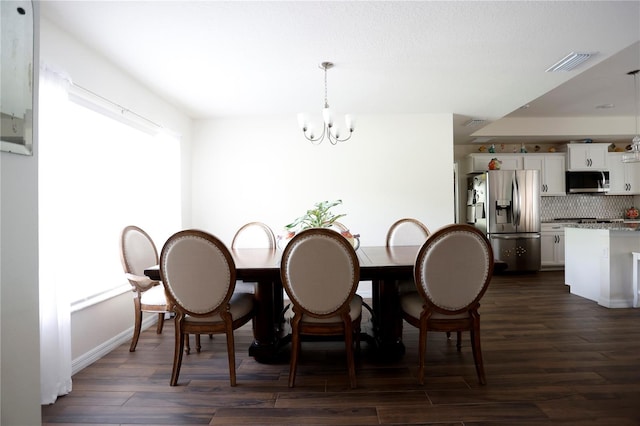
(55, 334)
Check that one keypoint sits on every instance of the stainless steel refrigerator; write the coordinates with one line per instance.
(505, 205)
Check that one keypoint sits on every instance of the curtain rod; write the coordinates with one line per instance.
(120, 107)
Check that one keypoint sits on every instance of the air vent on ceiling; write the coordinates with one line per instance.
(483, 139)
(474, 122)
(569, 62)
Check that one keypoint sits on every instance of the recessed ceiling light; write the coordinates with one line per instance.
(569, 62)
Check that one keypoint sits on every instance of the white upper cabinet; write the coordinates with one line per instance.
(480, 162)
(552, 172)
(624, 178)
(587, 156)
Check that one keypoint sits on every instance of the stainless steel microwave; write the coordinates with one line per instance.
(587, 182)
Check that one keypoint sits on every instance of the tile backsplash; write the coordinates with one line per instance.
(584, 205)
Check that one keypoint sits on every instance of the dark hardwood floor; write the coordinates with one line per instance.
(550, 358)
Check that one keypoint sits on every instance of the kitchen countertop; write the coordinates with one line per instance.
(618, 226)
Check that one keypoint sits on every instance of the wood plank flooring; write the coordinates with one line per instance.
(550, 358)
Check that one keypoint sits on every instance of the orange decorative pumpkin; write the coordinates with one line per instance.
(495, 164)
(631, 213)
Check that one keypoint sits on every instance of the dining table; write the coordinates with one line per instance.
(382, 265)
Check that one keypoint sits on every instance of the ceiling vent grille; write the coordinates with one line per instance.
(474, 122)
(483, 139)
(569, 62)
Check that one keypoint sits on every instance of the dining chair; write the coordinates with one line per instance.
(453, 270)
(137, 252)
(320, 273)
(407, 232)
(252, 235)
(338, 226)
(199, 275)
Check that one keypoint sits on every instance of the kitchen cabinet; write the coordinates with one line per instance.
(552, 246)
(587, 156)
(480, 162)
(624, 178)
(552, 172)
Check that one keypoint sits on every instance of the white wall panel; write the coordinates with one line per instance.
(263, 169)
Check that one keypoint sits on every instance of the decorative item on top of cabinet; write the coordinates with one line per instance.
(624, 178)
(587, 156)
(480, 162)
(552, 172)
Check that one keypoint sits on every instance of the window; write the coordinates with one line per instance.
(99, 174)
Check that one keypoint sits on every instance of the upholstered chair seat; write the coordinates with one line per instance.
(240, 305)
(355, 311)
(412, 304)
(154, 296)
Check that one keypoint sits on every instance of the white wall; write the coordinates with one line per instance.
(19, 313)
(263, 169)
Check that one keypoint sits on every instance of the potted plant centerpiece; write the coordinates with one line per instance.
(320, 216)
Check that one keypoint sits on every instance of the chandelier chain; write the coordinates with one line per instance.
(326, 101)
(635, 88)
(632, 155)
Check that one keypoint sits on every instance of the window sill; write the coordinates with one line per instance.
(79, 305)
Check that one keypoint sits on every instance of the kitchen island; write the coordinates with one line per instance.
(599, 262)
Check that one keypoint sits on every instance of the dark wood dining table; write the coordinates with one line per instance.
(381, 265)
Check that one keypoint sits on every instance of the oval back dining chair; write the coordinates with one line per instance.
(252, 235)
(200, 275)
(320, 273)
(453, 269)
(407, 232)
(137, 252)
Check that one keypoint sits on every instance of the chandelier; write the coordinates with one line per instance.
(329, 130)
(632, 155)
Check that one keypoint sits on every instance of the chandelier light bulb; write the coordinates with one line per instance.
(302, 122)
(349, 121)
(327, 116)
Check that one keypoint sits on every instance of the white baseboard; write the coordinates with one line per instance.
(98, 352)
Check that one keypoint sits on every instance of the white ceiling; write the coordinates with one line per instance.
(476, 59)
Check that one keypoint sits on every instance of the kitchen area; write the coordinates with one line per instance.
(580, 218)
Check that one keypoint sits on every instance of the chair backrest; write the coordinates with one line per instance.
(254, 235)
(320, 272)
(453, 268)
(407, 232)
(137, 250)
(198, 272)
